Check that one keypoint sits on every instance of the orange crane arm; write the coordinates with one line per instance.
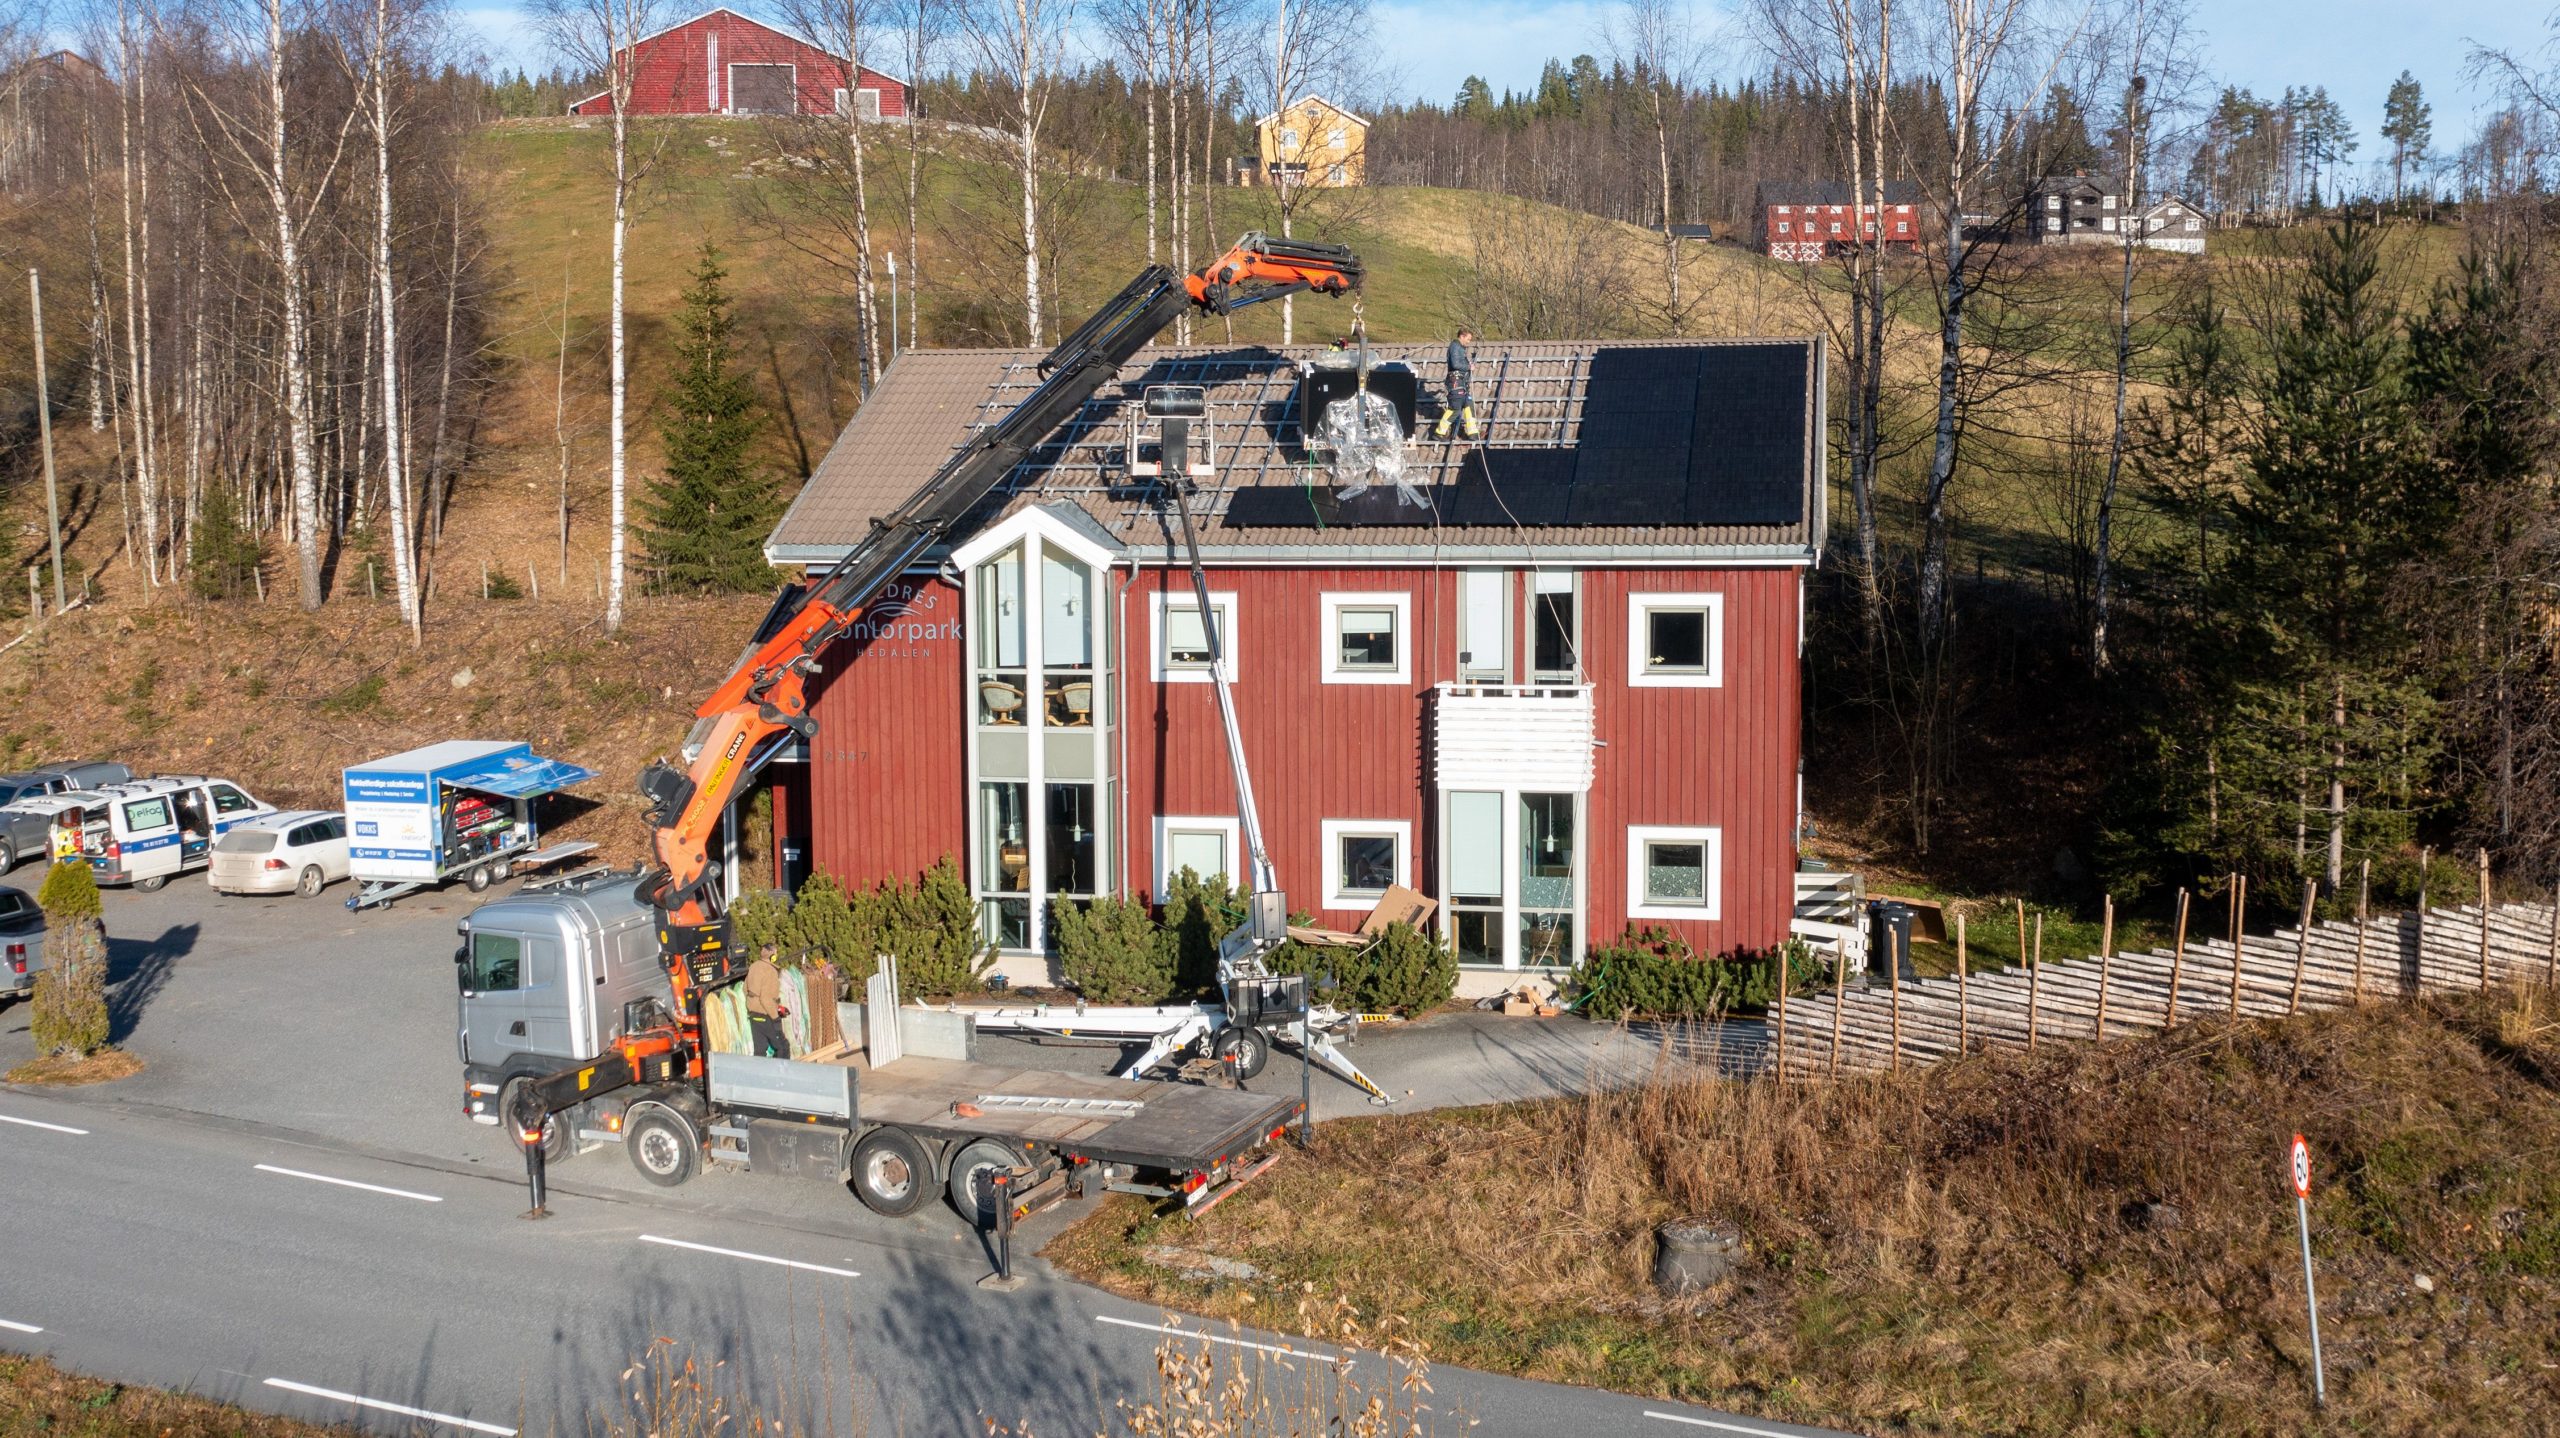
(765, 699)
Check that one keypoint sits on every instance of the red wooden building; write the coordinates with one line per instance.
(1806, 221)
(723, 63)
(1562, 696)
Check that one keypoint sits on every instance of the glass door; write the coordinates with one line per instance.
(1547, 890)
(1475, 849)
(1511, 869)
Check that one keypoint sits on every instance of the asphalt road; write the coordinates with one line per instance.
(286, 1210)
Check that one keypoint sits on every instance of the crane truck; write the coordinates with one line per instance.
(581, 1011)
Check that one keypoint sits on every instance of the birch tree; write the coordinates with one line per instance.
(1850, 53)
(598, 36)
(2150, 46)
(1978, 71)
(838, 27)
(294, 190)
(395, 471)
(1657, 40)
(1313, 43)
(1023, 42)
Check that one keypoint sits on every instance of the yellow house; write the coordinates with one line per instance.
(1314, 142)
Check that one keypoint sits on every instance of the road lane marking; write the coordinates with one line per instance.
(53, 1127)
(349, 1183)
(406, 1412)
(750, 1257)
(19, 1327)
(1318, 1354)
(1719, 1427)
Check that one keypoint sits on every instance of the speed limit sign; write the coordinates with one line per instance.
(2299, 1160)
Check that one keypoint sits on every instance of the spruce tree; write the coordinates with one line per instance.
(2337, 501)
(705, 522)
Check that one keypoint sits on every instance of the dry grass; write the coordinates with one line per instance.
(1959, 1252)
(61, 1071)
(37, 1398)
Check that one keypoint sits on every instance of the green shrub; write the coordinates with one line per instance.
(1653, 973)
(759, 921)
(825, 926)
(1406, 971)
(70, 892)
(222, 555)
(932, 931)
(70, 1016)
(1111, 951)
(1197, 914)
(361, 697)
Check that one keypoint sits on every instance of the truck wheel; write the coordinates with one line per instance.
(312, 881)
(972, 1185)
(555, 1129)
(1250, 1049)
(152, 885)
(479, 879)
(663, 1146)
(891, 1174)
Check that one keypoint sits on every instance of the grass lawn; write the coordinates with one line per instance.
(2085, 1240)
(37, 1398)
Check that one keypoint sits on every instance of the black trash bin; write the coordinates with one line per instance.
(1888, 937)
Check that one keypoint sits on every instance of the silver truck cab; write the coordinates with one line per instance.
(550, 978)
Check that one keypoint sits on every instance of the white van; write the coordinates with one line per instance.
(144, 832)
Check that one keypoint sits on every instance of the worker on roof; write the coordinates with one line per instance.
(1457, 402)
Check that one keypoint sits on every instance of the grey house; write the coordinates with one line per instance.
(2078, 210)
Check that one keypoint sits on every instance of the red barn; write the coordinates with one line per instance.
(726, 64)
(1809, 221)
(1561, 695)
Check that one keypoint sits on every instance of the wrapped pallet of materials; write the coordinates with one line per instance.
(1367, 442)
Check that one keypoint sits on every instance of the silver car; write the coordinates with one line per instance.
(21, 944)
(301, 850)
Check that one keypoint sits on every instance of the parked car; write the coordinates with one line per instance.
(26, 831)
(304, 850)
(21, 944)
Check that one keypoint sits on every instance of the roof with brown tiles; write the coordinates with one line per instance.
(1528, 482)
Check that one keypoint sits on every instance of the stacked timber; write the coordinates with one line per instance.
(2327, 965)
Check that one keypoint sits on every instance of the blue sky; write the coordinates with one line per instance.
(2355, 47)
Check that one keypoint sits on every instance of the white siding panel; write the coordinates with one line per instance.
(1498, 738)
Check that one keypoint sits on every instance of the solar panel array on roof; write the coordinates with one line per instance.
(1669, 435)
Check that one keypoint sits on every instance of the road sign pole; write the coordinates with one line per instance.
(2300, 1163)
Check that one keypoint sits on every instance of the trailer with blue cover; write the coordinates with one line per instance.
(460, 809)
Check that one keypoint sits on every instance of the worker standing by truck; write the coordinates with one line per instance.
(1458, 402)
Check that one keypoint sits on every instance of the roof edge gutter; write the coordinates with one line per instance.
(1642, 556)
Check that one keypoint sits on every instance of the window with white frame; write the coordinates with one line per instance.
(1288, 139)
(1336, 174)
(1365, 638)
(1675, 641)
(1181, 642)
(1674, 872)
(1207, 845)
(1335, 138)
(1363, 858)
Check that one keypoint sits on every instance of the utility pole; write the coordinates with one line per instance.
(44, 426)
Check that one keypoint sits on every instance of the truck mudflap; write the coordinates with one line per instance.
(1209, 1195)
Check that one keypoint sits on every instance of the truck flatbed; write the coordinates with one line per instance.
(1156, 1125)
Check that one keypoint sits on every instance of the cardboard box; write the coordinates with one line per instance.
(1399, 905)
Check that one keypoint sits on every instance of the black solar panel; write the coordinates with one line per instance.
(1669, 435)
(1747, 439)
